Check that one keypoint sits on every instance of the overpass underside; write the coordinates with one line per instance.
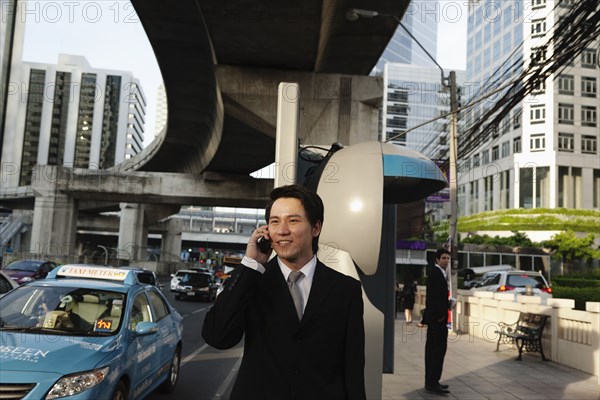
(221, 64)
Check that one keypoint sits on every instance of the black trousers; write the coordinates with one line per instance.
(435, 351)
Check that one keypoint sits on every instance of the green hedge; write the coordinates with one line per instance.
(580, 295)
(576, 283)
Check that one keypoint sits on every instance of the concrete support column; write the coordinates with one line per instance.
(54, 225)
(133, 232)
(170, 247)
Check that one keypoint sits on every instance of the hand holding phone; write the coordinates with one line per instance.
(264, 245)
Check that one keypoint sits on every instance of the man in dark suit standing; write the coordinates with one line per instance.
(436, 318)
(302, 322)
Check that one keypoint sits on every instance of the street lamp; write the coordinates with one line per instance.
(450, 82)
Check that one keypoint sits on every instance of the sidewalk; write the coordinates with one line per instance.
(474, 370)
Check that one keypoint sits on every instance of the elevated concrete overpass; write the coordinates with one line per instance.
(221, 63)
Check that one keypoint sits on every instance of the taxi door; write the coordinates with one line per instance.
(144, 352)
(167, 331)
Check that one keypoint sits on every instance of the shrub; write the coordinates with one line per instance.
(580, 295)
(576, 283)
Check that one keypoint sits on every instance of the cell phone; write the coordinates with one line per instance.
(264, 245)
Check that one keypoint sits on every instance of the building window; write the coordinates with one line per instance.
(588, 116)
(535, 4)
(526, 187)
(538, 27)
(566, 142)
(495, 153)
(566, 113)
(588, 58)
(505, 149)
(517, 145)
(504, 189)
(505, 124)
(537, 142)
(488, 193)
(517, 118)
(538, 55)
(542, 187)
(538, 85)
(570, 187)
(537, 114)
(476, 160)
(589, 144)
(596, 186)
(474, 197)
(566, 84)
(485, 157)
(588, 86)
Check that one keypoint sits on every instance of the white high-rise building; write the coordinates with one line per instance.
(12, 33)
(74, 115)
(545, 152)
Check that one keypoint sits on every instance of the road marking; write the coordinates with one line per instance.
(195, 312)
(194, 354)
(221, 390)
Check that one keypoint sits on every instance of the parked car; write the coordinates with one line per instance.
(104, 336)
(197, 285)
(472, 276)
(520, 282)
(6, 284)
(28, 270)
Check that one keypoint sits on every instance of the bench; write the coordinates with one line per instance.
(526, 333)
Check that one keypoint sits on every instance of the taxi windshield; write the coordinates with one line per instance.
(61, 310)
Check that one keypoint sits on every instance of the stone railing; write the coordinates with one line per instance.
(571, 337)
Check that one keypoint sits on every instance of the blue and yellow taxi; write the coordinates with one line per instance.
(88, 332)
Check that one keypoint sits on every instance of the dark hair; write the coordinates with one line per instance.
(312, 203)
(439, 252)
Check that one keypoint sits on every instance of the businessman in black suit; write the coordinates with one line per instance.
(436, 318)
(302, 342)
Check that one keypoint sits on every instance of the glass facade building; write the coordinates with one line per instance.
(420, 19)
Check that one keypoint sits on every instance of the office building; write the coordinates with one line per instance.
(12, 30)
(544, 153)
(74, 115)
(415, 97)
(421, 20)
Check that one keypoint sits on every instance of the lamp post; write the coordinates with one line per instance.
(449, 83)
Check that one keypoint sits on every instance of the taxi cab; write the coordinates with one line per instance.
(88, 332)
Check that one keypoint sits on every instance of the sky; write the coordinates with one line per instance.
(108, 33)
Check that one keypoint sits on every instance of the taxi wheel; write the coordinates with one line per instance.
(169, 384)
(120, 392)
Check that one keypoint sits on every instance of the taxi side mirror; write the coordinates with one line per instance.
(146, 328)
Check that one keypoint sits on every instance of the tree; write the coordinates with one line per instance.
(572, 248)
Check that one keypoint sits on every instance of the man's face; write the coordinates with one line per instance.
(443, 261)
(291, 232)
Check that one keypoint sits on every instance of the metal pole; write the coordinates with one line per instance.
(105, 253)
(453, 232)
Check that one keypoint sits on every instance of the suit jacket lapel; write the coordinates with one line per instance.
(281, 298)
(321, 286)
